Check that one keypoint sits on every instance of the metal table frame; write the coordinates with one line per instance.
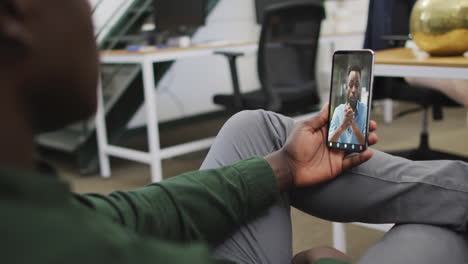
(155, 154)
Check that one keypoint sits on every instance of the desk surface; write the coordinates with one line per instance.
(405, 56)
(215, 45)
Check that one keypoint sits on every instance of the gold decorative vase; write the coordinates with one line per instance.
(440, 27)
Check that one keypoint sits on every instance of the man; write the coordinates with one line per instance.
(49, 73)
(241, 210)
(348, 124)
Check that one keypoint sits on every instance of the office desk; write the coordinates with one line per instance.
(402, 62)
(146, 59)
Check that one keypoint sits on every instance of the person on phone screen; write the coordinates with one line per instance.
(348, 124)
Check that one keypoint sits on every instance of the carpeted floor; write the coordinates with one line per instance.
(449, 134)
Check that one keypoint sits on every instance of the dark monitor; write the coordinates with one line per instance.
(174, 15)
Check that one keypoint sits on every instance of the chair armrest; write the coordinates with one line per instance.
(232, 57)
(229, 54)
(396, 40)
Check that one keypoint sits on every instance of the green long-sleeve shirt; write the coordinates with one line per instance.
(170, 222)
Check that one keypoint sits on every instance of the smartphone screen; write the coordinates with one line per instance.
(350, 100)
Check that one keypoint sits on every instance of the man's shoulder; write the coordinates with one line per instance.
(340, 107)
(338, 112)
(361, 104)
(362, 108)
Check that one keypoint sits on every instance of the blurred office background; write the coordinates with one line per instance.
(185, 90)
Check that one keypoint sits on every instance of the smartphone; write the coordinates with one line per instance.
(350, 100)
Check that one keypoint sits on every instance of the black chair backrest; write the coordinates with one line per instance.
(386, 17)
(288, 43)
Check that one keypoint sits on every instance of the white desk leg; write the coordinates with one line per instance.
(101, 132)
(152, 120)
(388, 111)
(339, 236)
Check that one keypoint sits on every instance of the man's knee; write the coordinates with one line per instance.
(249, 124)
(247, 117)
(414, 243)
(264, 122)
(244, 135)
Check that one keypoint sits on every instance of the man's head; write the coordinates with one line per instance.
(353, 85)
(49, 59)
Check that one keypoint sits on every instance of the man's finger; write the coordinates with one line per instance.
(372, 126)
(373, 138)
(325, 110)
(320, 120)
(356, 160)
(348, 115)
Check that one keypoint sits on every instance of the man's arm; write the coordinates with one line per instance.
(335, 133)
(359, 129)
(201, 205)
(358, 133)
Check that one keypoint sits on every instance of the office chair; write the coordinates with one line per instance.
(285, 64)
(391, 18)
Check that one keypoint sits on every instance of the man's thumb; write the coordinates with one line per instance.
(320, 120)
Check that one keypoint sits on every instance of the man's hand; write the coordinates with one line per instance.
(306, 160)
(348, 119)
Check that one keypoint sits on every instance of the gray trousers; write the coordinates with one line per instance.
(428, 199)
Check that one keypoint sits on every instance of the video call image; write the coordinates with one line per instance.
(351, 81)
